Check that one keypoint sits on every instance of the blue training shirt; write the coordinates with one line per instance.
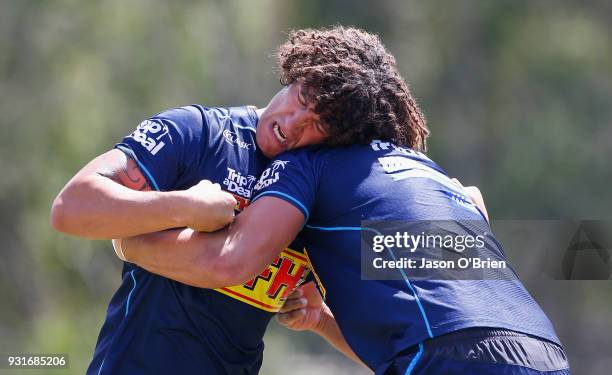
(158, 326)
(338, 188)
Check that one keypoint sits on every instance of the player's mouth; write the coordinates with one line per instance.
(280, 136)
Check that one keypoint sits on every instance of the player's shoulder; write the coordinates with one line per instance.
(186, 115)
(196, 117)
(320, 153)
(306, 154)
(231, 118)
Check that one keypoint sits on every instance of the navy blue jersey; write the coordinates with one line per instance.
(338, 188)
(158, 326)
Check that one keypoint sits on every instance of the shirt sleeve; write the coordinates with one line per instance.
(292, 177)
(166, 145)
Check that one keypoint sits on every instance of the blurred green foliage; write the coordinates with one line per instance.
(517, 94)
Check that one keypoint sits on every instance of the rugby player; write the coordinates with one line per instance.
(321, 195)
(151, 181)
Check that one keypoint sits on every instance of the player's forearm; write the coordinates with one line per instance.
(98, 208)
(204, 260)
(230, 256)
(329, 330)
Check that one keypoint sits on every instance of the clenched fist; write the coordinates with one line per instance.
(303, 309)
(206, 208)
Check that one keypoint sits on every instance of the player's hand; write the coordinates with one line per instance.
(476, 196)
(303, 308)
(207, 208)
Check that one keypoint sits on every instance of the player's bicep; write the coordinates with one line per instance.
(261, 232)
(124, 170)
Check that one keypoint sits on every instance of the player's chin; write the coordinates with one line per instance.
(267, 151)
(266, 146)
(271, 148)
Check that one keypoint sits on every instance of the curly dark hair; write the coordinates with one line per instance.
(354, 86)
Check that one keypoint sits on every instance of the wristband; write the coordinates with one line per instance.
(118, 249)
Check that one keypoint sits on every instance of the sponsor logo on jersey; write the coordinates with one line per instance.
(150, 135)
(271, 174)
(237, 183)
(233, 139)
(377, 145)
(269, 290)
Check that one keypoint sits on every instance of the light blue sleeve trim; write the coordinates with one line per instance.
(296, 202)
(415, 360)
(146, 171)
(129, 152)
(127, 305)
